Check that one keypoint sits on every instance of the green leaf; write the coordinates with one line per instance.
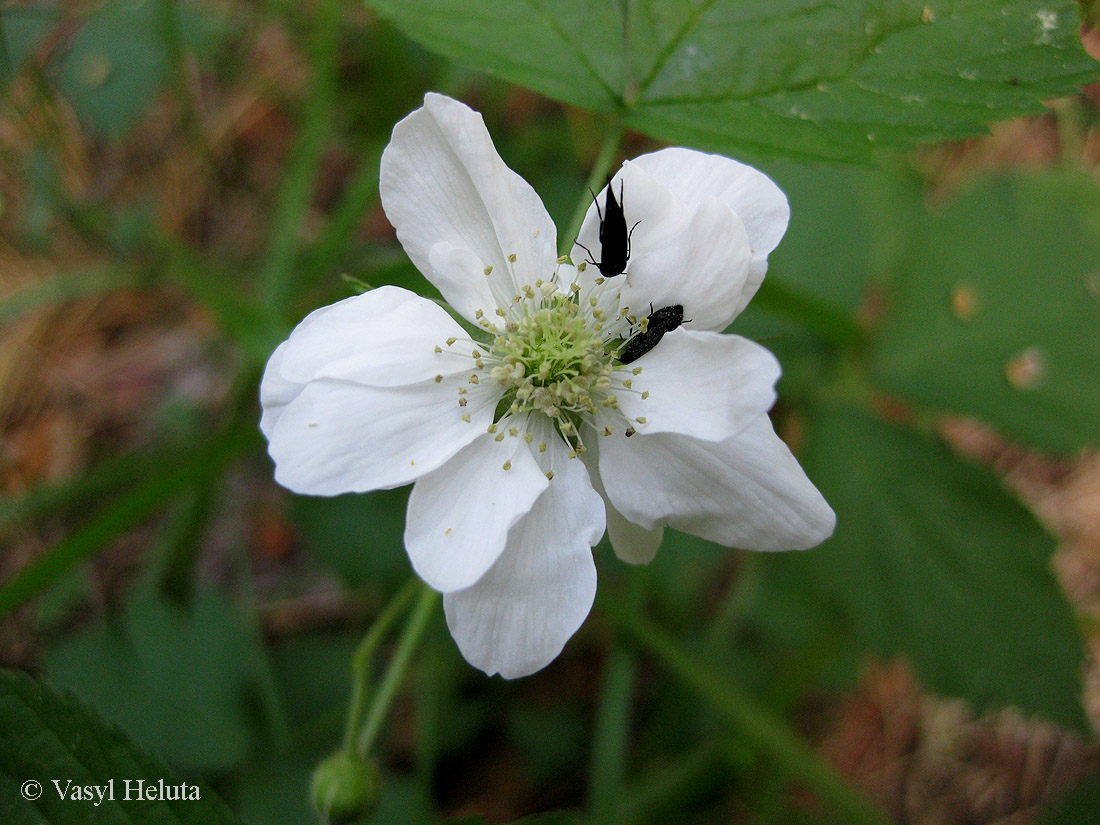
(21, 29)
(550, 818)
(1080, 805)
(50, 735)
(795, 77)
(115, 66)
(335, 531)
(118, 60)
(174, 680)
(995, 311)
(934, 560)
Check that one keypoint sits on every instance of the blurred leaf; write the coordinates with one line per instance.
(359, 536)
(115, 65)
(21, 29)
(314, 674)
(175, 681)
(118, 61)
(933, 559)
(403, 802)
(793, 78)
(1079, 806)
(276, 792)
(550, 740)
(48, 734)
(995, 311)
(551, 818)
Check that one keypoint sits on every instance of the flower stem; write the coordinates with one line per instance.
(364, 655)
(766, 732)
(365, 722)
(604, 159)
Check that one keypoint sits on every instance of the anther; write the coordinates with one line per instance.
(630, 431)
(628, 383)
(512, 258)
(489, 270)
(498, 437)
(607, 431)
(462, 402)
(507, 465)
(473, 379)
(550, 475)
(492, 428)
(450, 340)
(645, 395)
(438, 348)
(636, 371)
(542, 446)
(640, 419)
(438, 378)
(466, 417)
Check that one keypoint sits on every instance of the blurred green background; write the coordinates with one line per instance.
(180, 183)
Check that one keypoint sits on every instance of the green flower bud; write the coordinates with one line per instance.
(345, 787)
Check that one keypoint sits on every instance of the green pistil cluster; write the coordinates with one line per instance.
(553, 361)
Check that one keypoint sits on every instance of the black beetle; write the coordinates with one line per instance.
(614, 237)
(663, 320)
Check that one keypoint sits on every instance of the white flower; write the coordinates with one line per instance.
(524, 434)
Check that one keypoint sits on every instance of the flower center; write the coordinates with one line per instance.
(552, 360)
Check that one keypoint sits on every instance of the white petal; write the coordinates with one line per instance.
(459, 273)
(519, 616)
(442, 181)
(702, 384)
(693, 254)
(460, 514)
(632, 543)
(761, 205)
(385, 337)
(745, 492)
(275, 391)
(339, 437)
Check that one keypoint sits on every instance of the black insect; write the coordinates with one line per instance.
(614, 236)
(663, 320)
